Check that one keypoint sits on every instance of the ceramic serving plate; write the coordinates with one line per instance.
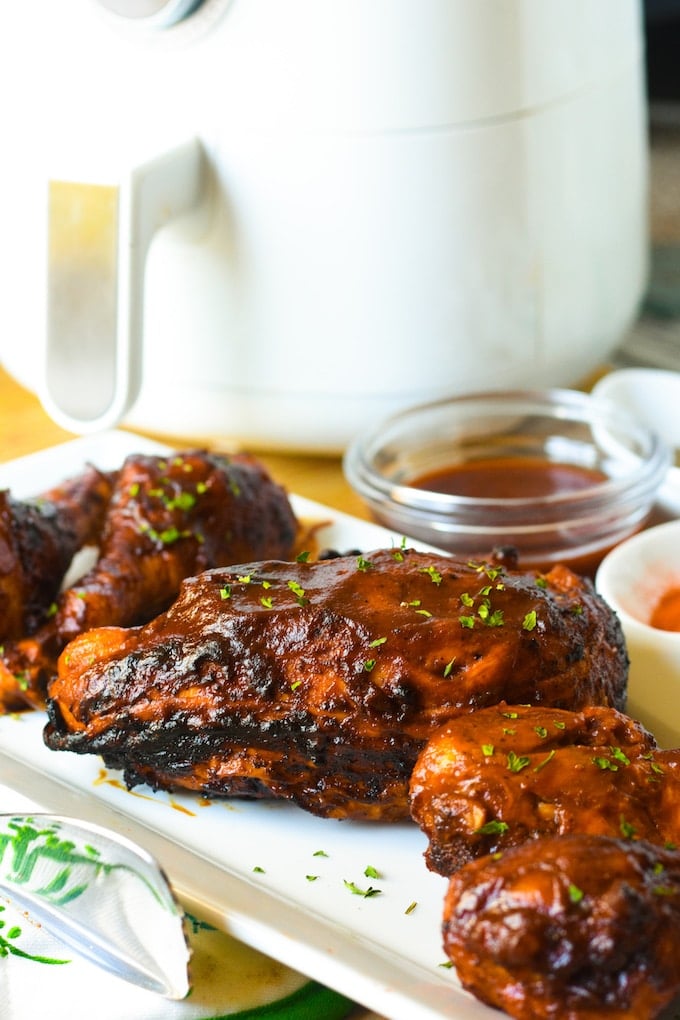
(279, 879)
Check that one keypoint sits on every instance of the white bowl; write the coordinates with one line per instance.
(652, 395)
(632, 579)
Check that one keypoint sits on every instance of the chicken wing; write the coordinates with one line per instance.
(509, 773)
(168, 518)
(576, 927)
(38, 540)
(321, 681)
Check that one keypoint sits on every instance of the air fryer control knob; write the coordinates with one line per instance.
(154, 13)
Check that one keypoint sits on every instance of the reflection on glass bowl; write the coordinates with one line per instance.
(600, 470)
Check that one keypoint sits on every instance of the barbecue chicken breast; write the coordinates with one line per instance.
(168, 517)
(502, 775)
(321, 681)
(578, 927)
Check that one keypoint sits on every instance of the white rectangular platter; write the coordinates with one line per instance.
(270, 874)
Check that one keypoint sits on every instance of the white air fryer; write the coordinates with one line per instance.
(274, 222)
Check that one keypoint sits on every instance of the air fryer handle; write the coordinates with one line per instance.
(98, 239)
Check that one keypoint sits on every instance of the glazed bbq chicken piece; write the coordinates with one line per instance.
(510, 773)
(169, 517)
(38, 540)
(320, 682)
(575, 927)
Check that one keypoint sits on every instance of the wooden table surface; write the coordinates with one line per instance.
(25, 428)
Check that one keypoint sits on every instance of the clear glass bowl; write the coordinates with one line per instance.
(562, 427)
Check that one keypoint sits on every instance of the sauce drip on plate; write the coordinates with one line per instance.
(509, 478)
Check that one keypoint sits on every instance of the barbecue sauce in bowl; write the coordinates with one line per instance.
(509, 478)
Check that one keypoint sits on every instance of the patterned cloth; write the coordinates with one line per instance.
(40, 977)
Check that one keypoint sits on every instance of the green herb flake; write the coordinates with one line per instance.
(378, 642)
(627, 830)
(398, 554)
(423, 612)
(267, 601)
(258, 870)
(493, 828)
(575, 894)
(358, 891)
(371, 872)
(606, 764)
(411, 907)
(448, 667)
(225, 592)
(664, 890)
(302, 557)
(434, 574)
(517, 762)
(487, 750)
(369, 665)
(468, 622)
(618, 755)
(530, 620)
(319, 853)
(185, 501)
(295, 684)
(311, 878)
(299, 593)
(541, 732)
(363, 564)
(542, 764)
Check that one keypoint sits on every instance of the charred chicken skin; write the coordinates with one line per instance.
(578, 927)
(321, 681)
(168, 518)
(510, 773)
(38, 540)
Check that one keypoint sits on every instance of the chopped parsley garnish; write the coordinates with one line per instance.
(357, 891)
(627, 830)
(493, 828)
(517, 762)
(434, 574)
(575, 894)
(529, 621)
(542, 764)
